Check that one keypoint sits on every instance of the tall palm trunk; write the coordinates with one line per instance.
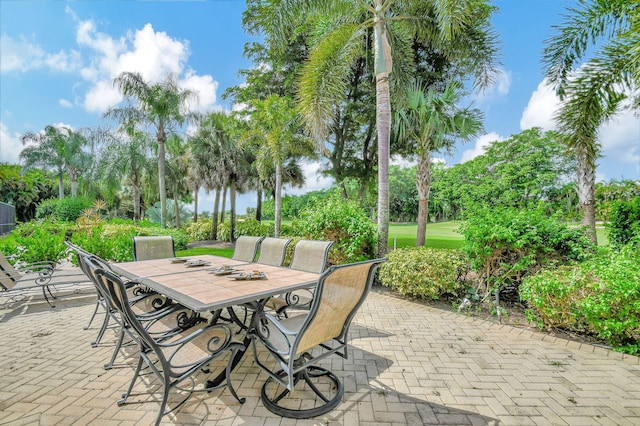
(586, 183)
(195, 203)
(224, 203)
(232, 195)
(214, 219)
(278, 199)
(259, 205)
(136, 201)
(176, 204)
(161, 178)
(383, 124)
(60, 186)
(423, 180)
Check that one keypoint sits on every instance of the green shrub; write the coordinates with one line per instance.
(254, 228)
(224, 232)
(625, 222)
(506, 245)
(600, 296)
(69, 209)
(36, 241)
(423, 272)
(200, 230)
(47, 208)
(342, 222)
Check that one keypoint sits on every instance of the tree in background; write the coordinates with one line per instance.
(162, 106)
(59, 149)
(428, 122)
(24, 189)
(593, 91)
(274, 133)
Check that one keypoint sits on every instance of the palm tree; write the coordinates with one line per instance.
(341, 28)
(594, 91)
(274, 132)
(430, 122)
(161, 106)
(57, 148)
(129, 157)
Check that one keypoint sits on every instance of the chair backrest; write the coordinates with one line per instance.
(246, 248)
(273, 251)
(310, 256)
(80, 255)
(8, 274)
(153, 247)
(340, 292)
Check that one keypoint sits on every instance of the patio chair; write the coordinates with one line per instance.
(246, 248)
(299, 343)
(177, 359)
(168, 318)
(38, 273)
(308, 256)
(153, 247)
(273, 251)
(80, 253)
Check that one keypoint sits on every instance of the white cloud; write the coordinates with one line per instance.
(23, 55)
(540, 109)
(10, 145)
(481, 144)
(65, 103)
(152, 54)
(314, 181)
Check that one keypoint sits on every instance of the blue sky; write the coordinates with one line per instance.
(58, 58)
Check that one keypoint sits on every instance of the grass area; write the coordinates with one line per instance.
(224, 252)
(439, 235)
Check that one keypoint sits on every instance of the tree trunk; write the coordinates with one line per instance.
(74, 186)
(586, 183)
(60, 186)
(195, 203)
(176, 206)
(423, 183)
(278, 200)
(214, 218)
(383, 115)
(232, 196)
(259, 205)
(224, 203)
(136, 202)
(161, 179)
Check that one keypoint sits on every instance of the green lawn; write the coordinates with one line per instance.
(224, 252)
(439, 235)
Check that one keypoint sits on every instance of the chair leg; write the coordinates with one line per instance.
(133, 382)
(45, 290)
(115, 350)
(105, 323)
(95, 311)
(165, 397)
(278, 403)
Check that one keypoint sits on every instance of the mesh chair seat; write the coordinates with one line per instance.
(153, 247)
(273, 251)
(246, 248)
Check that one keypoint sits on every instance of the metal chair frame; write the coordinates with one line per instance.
(175, 360)
(340, 292)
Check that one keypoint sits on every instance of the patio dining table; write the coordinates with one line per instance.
(199, 286)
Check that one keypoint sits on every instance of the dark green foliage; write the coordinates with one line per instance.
(47, 209)
(600, 296)
(24, 191)
(67, 209)
(37, 241)
(342, 222)
(425, 272)
(506, 244)
(624, 223)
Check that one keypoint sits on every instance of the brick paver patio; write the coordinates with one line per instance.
(409, 365)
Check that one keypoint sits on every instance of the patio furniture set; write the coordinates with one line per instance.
(185, 313)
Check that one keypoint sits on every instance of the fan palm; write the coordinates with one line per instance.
(430, 122)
